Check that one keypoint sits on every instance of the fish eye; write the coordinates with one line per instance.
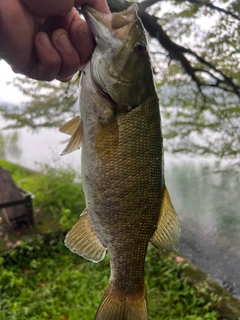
(140, 48)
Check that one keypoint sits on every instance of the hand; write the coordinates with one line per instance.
(44, 39)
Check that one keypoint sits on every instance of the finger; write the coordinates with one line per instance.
(69, 56)
(82, 39)
(51, 24)
(48, 65)
(16, 33)
(99, 5)
(48, 8)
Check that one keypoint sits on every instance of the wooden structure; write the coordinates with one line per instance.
(15, 203)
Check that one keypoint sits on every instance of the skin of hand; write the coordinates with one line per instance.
(46, 39)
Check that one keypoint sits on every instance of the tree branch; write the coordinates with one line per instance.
(146, 4)
(212, 6)
(228, 80)
(176, 52)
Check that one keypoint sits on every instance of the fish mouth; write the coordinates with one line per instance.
(106, 27)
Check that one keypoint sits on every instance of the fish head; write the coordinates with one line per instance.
(120, 64)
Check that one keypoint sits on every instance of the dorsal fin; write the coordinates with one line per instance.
(168, 229)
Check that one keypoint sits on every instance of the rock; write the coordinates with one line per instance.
(225, 304)
(211, 255)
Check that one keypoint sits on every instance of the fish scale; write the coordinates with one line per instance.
(119, 130)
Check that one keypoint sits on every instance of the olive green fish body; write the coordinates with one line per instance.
(127, 203)
(123, 182)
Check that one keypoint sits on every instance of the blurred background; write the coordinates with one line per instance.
(195, 57)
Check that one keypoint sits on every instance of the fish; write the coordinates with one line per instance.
(122, 162)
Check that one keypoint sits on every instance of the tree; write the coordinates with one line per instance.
(196, 60)
(9, 145)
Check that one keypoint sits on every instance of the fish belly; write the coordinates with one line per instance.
(122, 178)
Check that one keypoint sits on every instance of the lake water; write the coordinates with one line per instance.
(210, 199)
(208, 203)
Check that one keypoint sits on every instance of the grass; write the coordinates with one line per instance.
(44, 280)
(58, 198)
(41, 279)
(58, 192)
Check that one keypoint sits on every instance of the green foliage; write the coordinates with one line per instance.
(43, 280)
(58, 191)
(9, 144)
(49, 103)
(172, 290)
(196, 63)
(204, 109)
(17, 172)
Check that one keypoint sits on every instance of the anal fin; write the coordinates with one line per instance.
(168, 229)
(83, 240)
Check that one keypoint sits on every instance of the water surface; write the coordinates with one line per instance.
(208, 203)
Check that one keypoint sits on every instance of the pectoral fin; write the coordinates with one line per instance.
(83, 240)
(70, 126)
(74, 128)
(167, 233)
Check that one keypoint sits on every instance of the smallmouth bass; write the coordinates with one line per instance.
(127, 203)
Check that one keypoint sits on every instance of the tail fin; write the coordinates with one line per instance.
(117, 305)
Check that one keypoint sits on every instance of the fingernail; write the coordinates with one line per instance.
(64, 43)
(45, 42)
